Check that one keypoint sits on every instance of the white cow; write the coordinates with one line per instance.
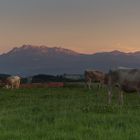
(12, 82)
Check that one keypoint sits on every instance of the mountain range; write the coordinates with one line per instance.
(31, 60)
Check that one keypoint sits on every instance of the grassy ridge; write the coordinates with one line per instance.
(67, 114)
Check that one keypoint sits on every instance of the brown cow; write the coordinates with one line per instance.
(125, 79)
(94, 76)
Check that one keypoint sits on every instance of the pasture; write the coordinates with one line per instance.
(69, 113)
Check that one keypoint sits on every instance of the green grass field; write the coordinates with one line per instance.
(70, 113)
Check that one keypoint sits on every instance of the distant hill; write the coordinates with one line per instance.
(31, 60)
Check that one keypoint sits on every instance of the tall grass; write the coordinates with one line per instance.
(70, 113)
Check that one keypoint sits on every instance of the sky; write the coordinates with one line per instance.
(85, 26)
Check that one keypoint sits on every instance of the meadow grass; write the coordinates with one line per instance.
(69, 113)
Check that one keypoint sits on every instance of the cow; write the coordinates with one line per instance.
(94, 76)
(126, 79)
(12, 82)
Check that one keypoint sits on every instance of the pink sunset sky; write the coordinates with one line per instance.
(85, 26)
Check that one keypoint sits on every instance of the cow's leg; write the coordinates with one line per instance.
(109, 95)
(12, 86)
(110, 86)
(99, 85)
(121, 97)
(89, 84)
(17, 85)
(7, 86)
